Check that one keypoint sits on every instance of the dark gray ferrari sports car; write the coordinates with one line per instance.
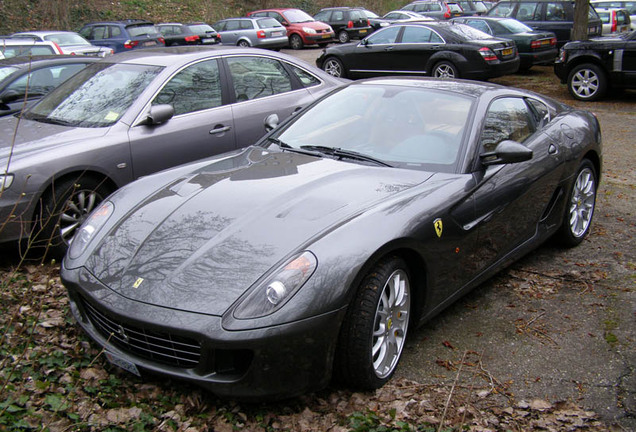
(267, 271)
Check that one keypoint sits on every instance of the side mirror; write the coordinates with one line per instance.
(159, 114)
(10, 96)
(364, 42)
(285, 23)
(506, 152)
(271, 122)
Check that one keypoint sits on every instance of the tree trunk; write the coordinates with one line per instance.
(579, 30)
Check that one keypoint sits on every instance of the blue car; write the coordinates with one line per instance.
(123, 35)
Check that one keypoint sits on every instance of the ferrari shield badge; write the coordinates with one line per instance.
(138, 282)
(439, 226)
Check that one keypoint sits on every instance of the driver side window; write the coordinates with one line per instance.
(507, 119)
(195, 88)
(386, 36)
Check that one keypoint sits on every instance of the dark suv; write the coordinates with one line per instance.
(123, 35)
(556, 16)
(590, 67)
(348, 23)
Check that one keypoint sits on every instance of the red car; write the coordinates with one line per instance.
(302, 29)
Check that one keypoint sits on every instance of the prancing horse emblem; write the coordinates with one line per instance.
(439, 226)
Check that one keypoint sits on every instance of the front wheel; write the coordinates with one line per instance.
(579, 207)
(445, 69)
(334, 67)
(587, 82)
(296, 42)
(63, 209)
(374, 330)
(343, 36)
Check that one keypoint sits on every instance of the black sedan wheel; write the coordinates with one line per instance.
(296, 42)
(587, 82)
(343, 36)
(445, 69)
(334, 67)
(374, 330)
(64, 209)
(580, 206)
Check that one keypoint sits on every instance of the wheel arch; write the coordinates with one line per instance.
(578, 60)
(450, 56)
(593, 157)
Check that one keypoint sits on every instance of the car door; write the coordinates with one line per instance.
(261, 86)
(202, 125)
(374, 54)
(511, 199)
(230, 31)
(416, 46)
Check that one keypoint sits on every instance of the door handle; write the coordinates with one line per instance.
(220, 130)
(388, 48)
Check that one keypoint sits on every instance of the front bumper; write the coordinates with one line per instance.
(318, 38)
(273, 362)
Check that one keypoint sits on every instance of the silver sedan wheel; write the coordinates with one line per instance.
(582, 202)
(585, 83)
(333, 67)
(76, 211)
(391, 323)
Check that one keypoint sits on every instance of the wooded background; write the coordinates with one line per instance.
(21, 15)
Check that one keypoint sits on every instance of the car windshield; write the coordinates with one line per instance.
(142, 30)
(268, 23)
(515, 26)
(400, 126)
(467, 32)
(5, 71)
(297, 16)
(66, 39)
(97, 96)
(201, 28)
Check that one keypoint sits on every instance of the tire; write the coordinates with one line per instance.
(296, 42)
(243, 44)
(374, 329)
(445, 69)
(343, 37)
(62, 211)
(580, 205)
(334, 67)
(587, 82)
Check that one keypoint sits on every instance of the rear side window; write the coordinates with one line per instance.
(247, 25)
(414, 34)
(555, 12)
(258, 77)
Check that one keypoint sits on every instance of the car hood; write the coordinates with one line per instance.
(201, 240)
(33, 136)
(316, 25)
(83, 49)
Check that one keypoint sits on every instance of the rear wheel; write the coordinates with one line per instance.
(296, 42)
(62, 211)
(445, 69)
(580, 206)
(243, 44)
(334, 67)
(587, 82)
(343, 36)
(374, 330)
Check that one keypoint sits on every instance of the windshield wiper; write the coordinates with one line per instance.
(285, 146)
(45, 119)
(342, 153)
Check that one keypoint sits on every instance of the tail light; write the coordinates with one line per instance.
(613, 22)
(553, 41)
(59, 50)
(447, 14)
(261, 34)
(350, 24)
(192, 38)
(535, 44)
(368, 23)
(129, 44)
(218, 37)
(487, 54)
(162, 40)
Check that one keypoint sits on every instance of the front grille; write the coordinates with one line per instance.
(161, 347)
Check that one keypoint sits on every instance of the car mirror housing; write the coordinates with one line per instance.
(271, 122)
(159, 114)
(506, 152)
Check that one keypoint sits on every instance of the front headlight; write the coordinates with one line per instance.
(271, 294)
(309, 30)
(5, 181)
(94, 223)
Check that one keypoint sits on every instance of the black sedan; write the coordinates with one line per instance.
(535, 47)
(438, 49)
(265, 271)
(24, 80)
(188, 34)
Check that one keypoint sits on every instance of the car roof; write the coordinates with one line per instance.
(469, 88)
(24, 61)
(165, 56)
(123, 22)
(42, 32)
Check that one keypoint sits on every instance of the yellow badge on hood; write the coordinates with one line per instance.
(439, 226)
(138, 282)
